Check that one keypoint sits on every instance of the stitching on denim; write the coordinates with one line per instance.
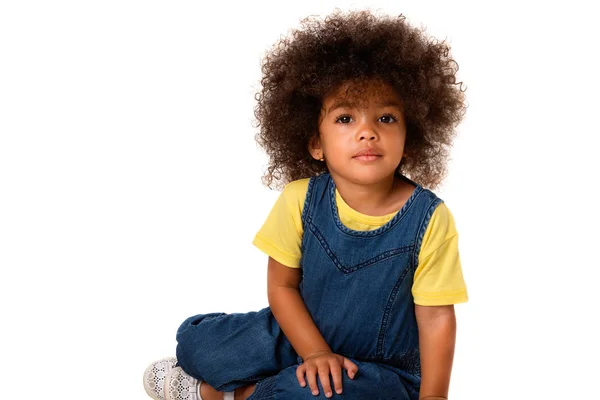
(423, 227)
(306, 219)
(387, 311)
(375, 232)
(308, 198)
(367, 263)
(381, 257)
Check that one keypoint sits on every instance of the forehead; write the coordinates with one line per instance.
(361, 94)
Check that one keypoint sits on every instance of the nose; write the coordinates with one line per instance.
(366, 131)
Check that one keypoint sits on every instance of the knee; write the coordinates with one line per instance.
(371, 382)
(191, 337)
(191, 324)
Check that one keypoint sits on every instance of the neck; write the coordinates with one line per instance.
(375, 198)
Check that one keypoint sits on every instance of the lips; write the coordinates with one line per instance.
(367, 152)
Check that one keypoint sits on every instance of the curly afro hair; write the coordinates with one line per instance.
(317, 59)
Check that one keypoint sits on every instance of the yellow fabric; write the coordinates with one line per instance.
(438, 278)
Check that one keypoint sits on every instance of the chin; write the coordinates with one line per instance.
(368, 177)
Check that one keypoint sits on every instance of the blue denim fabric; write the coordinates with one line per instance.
(357, 288)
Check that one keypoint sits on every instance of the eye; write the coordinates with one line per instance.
(388, 118)
(344, 119)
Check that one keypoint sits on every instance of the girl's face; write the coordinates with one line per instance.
(361, 133)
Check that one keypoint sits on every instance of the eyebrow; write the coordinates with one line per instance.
(350, 104)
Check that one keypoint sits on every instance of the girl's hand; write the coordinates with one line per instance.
(323, 363)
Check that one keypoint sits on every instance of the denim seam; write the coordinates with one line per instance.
(422, 228)
(350, 269)
(386, 314)
(375, 232)
(306, 209)
(306, 218)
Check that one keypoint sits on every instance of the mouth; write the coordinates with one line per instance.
(367, 154)
(368, 157)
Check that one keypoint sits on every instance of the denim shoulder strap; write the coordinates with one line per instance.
(428, 202)
(317, 186)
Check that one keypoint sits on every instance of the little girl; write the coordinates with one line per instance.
(363, 267)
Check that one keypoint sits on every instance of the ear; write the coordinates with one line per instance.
(314, 147)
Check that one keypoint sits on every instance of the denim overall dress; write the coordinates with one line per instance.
(357, 288)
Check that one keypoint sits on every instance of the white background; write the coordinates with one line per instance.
(130, 187)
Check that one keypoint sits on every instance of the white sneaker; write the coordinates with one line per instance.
(181, 386)
(155, 375)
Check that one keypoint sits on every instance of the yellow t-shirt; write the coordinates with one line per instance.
(438, 279)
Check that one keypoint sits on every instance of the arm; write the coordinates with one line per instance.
(437, 336)
(290, 311)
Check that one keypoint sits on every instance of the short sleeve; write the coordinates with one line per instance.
(280, 237)
(438, 278)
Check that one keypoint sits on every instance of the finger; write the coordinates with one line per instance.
(311, 377)
(336, 374)
(300, 375)
(325, 381)
(350, 367)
